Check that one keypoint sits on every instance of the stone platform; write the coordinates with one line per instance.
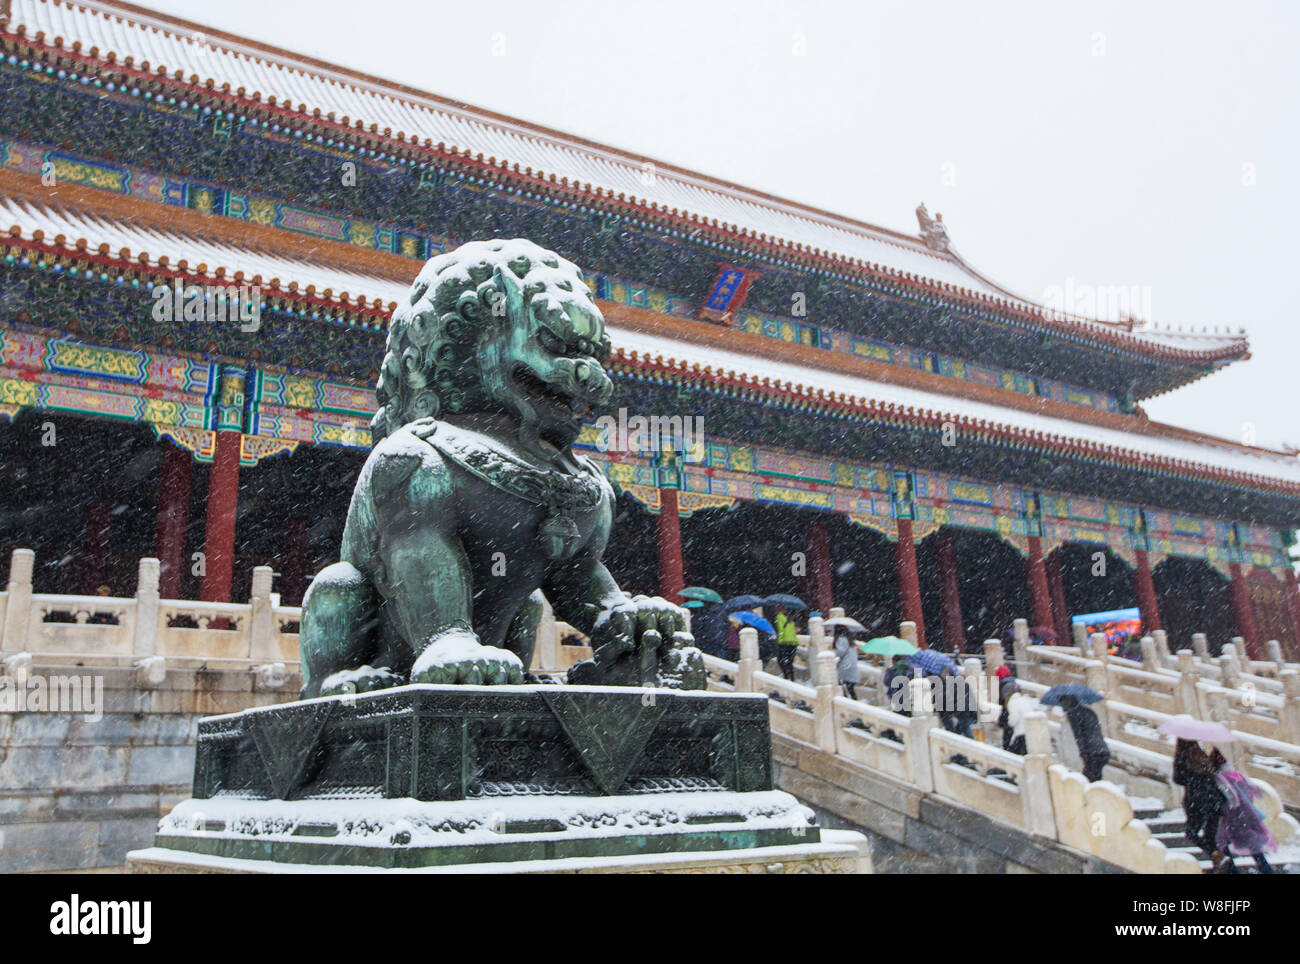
(421, 777)
(838, 852)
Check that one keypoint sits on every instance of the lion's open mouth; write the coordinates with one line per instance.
(539, 390)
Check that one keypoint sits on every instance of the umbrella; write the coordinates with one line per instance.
(931, 661)
(848, 622)
(742, 602)
(693, 604)
(889, 646)
(785, 600)
(1084, 694)
(746, 618)
(1186, 728)
(701, 594)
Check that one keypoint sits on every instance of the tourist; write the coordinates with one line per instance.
(1016, 706)
(1202, 801)
(1087, 737)
(103, 618)
(709, 627)
(732, 641)
(957, 706)
(1006, 686)
(1041, 636)
(847, 668)
(898, 695)
(787, 642)
(1241, 828)
(767, 648)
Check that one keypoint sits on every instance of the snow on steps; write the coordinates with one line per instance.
(1168, 827)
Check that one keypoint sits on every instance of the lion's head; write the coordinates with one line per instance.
(502, 326)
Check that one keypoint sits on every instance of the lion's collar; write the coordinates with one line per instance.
(562, 493)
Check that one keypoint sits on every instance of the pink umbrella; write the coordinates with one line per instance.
(1186, 728)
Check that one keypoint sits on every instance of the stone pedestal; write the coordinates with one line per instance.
(838, 852)
(422, 777)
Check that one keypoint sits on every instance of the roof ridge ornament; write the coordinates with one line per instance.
(933, 231)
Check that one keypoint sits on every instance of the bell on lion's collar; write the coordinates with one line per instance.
(559, 535)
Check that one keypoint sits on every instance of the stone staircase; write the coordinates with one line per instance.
(1167, 827)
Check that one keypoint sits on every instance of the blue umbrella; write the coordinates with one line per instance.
(745, 618)
(693, 604)
(742, 602)
(931, 661)
(1084, 694)
(785, 600)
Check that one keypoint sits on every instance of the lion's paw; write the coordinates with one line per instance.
(461, 658)
(361, 680)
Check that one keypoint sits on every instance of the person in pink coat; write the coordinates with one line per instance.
(1241, 828)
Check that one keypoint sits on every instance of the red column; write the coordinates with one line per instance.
(219, 537)
(954, 627)
(1039, 598)
(671, 579)
(94, 550)
(909, 581)
(1293, 607)
(1242, 612)
(1056, 589)
(173, 519)
(293, 577)
(1146, 593)
(819, 568)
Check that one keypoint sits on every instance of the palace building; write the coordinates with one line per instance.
(204, 237)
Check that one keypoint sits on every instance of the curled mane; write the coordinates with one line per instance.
(431, 364)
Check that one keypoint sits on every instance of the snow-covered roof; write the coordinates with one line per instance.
(1205, 451)
(55, 221)
(77, 226)
(262, 73)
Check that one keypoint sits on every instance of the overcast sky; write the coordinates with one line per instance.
(1142, 144)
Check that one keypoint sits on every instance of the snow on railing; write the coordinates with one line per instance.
(261, 636)
(144, 626)
(1142, 751)
(1003, 785)
(1268, 708)
(1033, 792)
(873, 737)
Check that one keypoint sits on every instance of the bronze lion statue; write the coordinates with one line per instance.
(472, 503)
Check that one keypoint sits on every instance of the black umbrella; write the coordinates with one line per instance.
(785, 600)
(737, 603)
(1082, 693)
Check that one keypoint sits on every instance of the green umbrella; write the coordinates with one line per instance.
(700, 593)
(889, 646)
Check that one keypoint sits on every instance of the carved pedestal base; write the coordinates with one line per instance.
(825, 857)
(440, 776)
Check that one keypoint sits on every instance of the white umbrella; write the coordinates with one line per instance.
(1185, 727)
(848, 622)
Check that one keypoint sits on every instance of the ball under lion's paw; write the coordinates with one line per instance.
(461, 658)
(682, 668)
